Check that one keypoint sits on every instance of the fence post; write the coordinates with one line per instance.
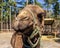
(1, 18)
(10, 18)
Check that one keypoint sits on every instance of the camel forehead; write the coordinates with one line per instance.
(23, 14)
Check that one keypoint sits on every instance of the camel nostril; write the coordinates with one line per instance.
(17, 19)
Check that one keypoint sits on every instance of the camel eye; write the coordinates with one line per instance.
(25, 18)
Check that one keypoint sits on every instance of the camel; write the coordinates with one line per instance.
(23, 25)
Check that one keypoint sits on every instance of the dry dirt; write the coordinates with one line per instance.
(6, 37)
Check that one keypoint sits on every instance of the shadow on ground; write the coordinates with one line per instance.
(57, 40)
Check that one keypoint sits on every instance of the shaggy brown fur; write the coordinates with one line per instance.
(23, 23)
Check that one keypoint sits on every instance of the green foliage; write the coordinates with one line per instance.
(5, 9)
(12, 3)
(30, 1)
(3, 4)
(50, 1)
(47, 4)
(56, 9)
(37, 3)
(55, 5)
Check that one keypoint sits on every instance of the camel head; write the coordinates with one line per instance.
(24, 19)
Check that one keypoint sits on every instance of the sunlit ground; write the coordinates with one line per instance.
(5, 38)
(50, 42)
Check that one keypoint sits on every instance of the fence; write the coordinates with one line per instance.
(6, 25)
(6, 22)
(6, 17)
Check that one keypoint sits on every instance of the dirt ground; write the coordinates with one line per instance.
(50, 43)
(6, 37)
(5, 40)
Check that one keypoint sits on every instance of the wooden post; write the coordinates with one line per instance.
(55, 34)
(1, 18)
(10, 18)
(26, 2)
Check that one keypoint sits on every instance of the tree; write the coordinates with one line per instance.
(55, 5)
(6, 11)
(37, 3)
(29, 2)
(56, 9)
